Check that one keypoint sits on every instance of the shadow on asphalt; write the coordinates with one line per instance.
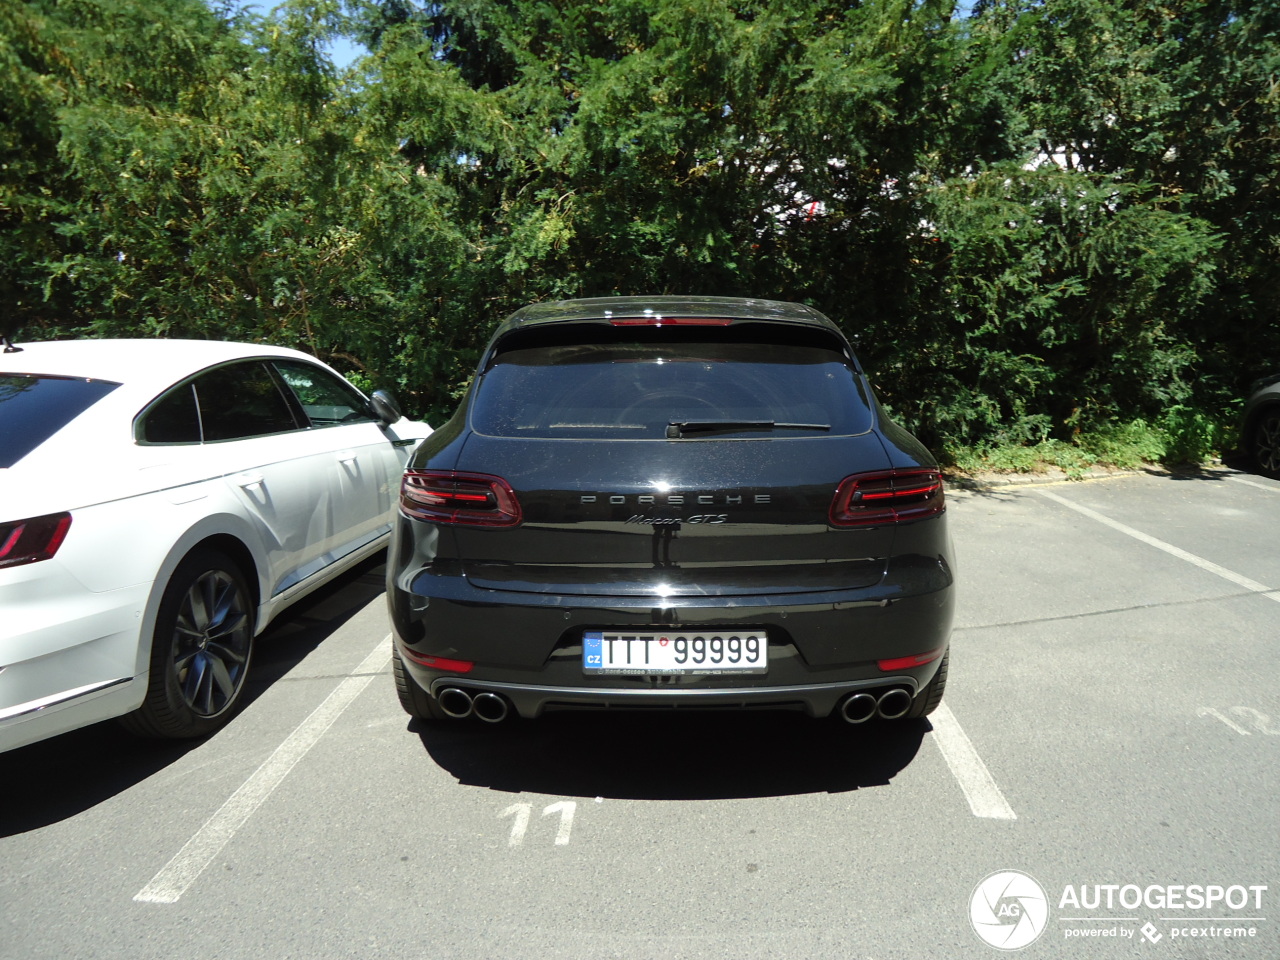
(1236, 463)
(669, 756)
(58, 778)
(1242, 462)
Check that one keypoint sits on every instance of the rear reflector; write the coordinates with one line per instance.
(889, 496)
(672, 322)
(906, 663)
(446, 496)
(29, 541)
(440, 663)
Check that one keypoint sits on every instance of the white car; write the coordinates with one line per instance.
(160, 502)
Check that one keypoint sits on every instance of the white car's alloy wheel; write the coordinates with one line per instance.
(201, 651)
(211, 643)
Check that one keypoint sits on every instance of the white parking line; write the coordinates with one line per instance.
(1207, 565)
(985, 798)
(172, 882)
(1269, 487)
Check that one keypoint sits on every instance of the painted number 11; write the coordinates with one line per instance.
(523, 811)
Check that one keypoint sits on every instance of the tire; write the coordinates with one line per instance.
(200, 651)
(416, 702)
(1264, 442)
(927, 700)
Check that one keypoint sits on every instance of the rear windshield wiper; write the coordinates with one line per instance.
(678, 428)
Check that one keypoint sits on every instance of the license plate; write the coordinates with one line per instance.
(666, 654)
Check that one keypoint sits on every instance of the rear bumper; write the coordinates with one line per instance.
(528, 647)
(68, 655)
(69, 710)
(816, 700)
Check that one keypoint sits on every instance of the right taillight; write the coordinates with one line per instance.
(29, 541)
(887, 496)
(446, 496)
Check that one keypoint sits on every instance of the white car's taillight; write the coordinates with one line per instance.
(29, 541)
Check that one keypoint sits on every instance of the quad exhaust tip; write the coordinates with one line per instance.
(858, 707)
(456, 703)
(489, 707)
(894, 704)
(459, 704)
(890, 705)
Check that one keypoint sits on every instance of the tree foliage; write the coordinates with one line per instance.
(1038, 217)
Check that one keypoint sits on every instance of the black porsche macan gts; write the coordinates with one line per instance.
(670, 502)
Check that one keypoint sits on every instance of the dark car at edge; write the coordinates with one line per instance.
(1261, 430)
(670, 503)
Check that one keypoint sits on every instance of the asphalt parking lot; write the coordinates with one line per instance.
(1111, 731)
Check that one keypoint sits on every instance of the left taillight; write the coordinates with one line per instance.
(887, 496)
(29, 541)
(446, 496)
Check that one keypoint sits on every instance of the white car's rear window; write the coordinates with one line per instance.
(33, 408)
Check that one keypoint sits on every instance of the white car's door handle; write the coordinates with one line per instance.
(348, 456)
(248, 480)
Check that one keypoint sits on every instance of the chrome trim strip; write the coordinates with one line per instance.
(24, 710)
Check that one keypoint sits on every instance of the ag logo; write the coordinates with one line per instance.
(1008, 910)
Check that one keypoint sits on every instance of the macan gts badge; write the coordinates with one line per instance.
(676, 501)
(670, 502)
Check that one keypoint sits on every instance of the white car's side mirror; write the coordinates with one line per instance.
(385, 407)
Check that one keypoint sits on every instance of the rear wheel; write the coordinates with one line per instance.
(416, 702)
(1265, 442)
(927, 700)
(200, 650)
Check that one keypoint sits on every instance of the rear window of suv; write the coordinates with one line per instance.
(592, 382)
(33, 408)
